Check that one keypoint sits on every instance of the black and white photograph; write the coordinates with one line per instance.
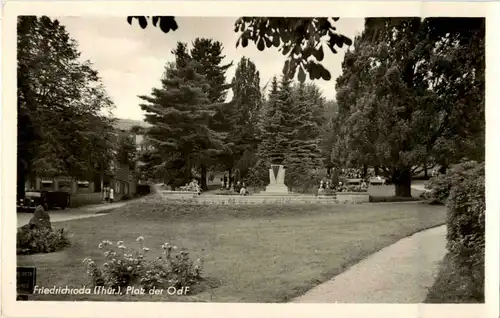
(248, 159)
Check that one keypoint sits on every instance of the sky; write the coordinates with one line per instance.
(131, 60)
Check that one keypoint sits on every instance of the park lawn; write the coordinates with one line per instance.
(255, 253)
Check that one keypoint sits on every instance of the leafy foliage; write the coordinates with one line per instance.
(403, 100)
(41, 240)
(299, 39)
(466, 224)
(125, 267)
(63, 127)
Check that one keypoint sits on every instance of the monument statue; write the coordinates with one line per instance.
(276, 180)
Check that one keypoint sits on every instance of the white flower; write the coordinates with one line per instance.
(100, 245)
(145, 249)
(106, 254)
(129, 268)
(122, 247)
(119, 243)
(140, 238)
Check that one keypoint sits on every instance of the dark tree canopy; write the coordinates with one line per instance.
(298, 39)
(412, 92)
(62, 128)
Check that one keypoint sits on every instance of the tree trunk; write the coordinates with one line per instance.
(230, 176)
(21, 180)
(365, 171)
(402, 182)
(203, 173)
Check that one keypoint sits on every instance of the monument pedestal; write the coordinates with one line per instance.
(276, 181)
(278, 189)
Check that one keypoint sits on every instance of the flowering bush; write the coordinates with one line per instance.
(124, 267)
(40, 240)
(352, 188)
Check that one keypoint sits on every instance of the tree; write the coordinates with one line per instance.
(303, 153)
(405, 91)
(299, 39)
(246, 104)
(179, 113)
(62, 126)
(208, 56)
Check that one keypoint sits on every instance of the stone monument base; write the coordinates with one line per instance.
(276, 189)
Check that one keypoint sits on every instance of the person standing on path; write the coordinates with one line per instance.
(111, 195)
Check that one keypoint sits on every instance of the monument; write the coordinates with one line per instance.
(276, 181)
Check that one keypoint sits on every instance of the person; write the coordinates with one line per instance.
(327, 185)
(225, 181)
(363, 184)
(111, 195)
(221, 183)
(106, 194)
(243, 190)
(237, 188)
(321, 188)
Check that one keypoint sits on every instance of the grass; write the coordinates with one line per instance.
(454, 286)
(266, 253)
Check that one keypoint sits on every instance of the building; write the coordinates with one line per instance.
(122, 179)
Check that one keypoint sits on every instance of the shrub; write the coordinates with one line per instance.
(440, 185)
(124, 267)
(466, 208)
(40, 240)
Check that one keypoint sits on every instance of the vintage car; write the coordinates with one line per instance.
(47, 199)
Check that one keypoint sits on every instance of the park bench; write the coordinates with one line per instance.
(377, 180)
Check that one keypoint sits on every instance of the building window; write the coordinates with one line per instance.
(47, 185)
(83, 186)
(118, 187)
(125, 188)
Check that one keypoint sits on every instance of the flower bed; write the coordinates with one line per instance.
(124, 267)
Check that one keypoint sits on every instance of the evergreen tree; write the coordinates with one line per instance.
(208, 56)
(304, 154)
(247, 101)
(179, 113)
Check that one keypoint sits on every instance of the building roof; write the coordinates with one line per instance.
(127, 124)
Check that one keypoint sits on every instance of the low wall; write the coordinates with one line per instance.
(353, 197)
(179, 194)
(194, 198)
(81, 199)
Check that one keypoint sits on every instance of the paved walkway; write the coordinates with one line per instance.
(400, 273)
(72, 213)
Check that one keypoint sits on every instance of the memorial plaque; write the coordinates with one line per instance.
(26, 280)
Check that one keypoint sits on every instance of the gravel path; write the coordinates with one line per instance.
(72, 213)
(400, 273)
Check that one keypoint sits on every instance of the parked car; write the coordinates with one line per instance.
(47, 199)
